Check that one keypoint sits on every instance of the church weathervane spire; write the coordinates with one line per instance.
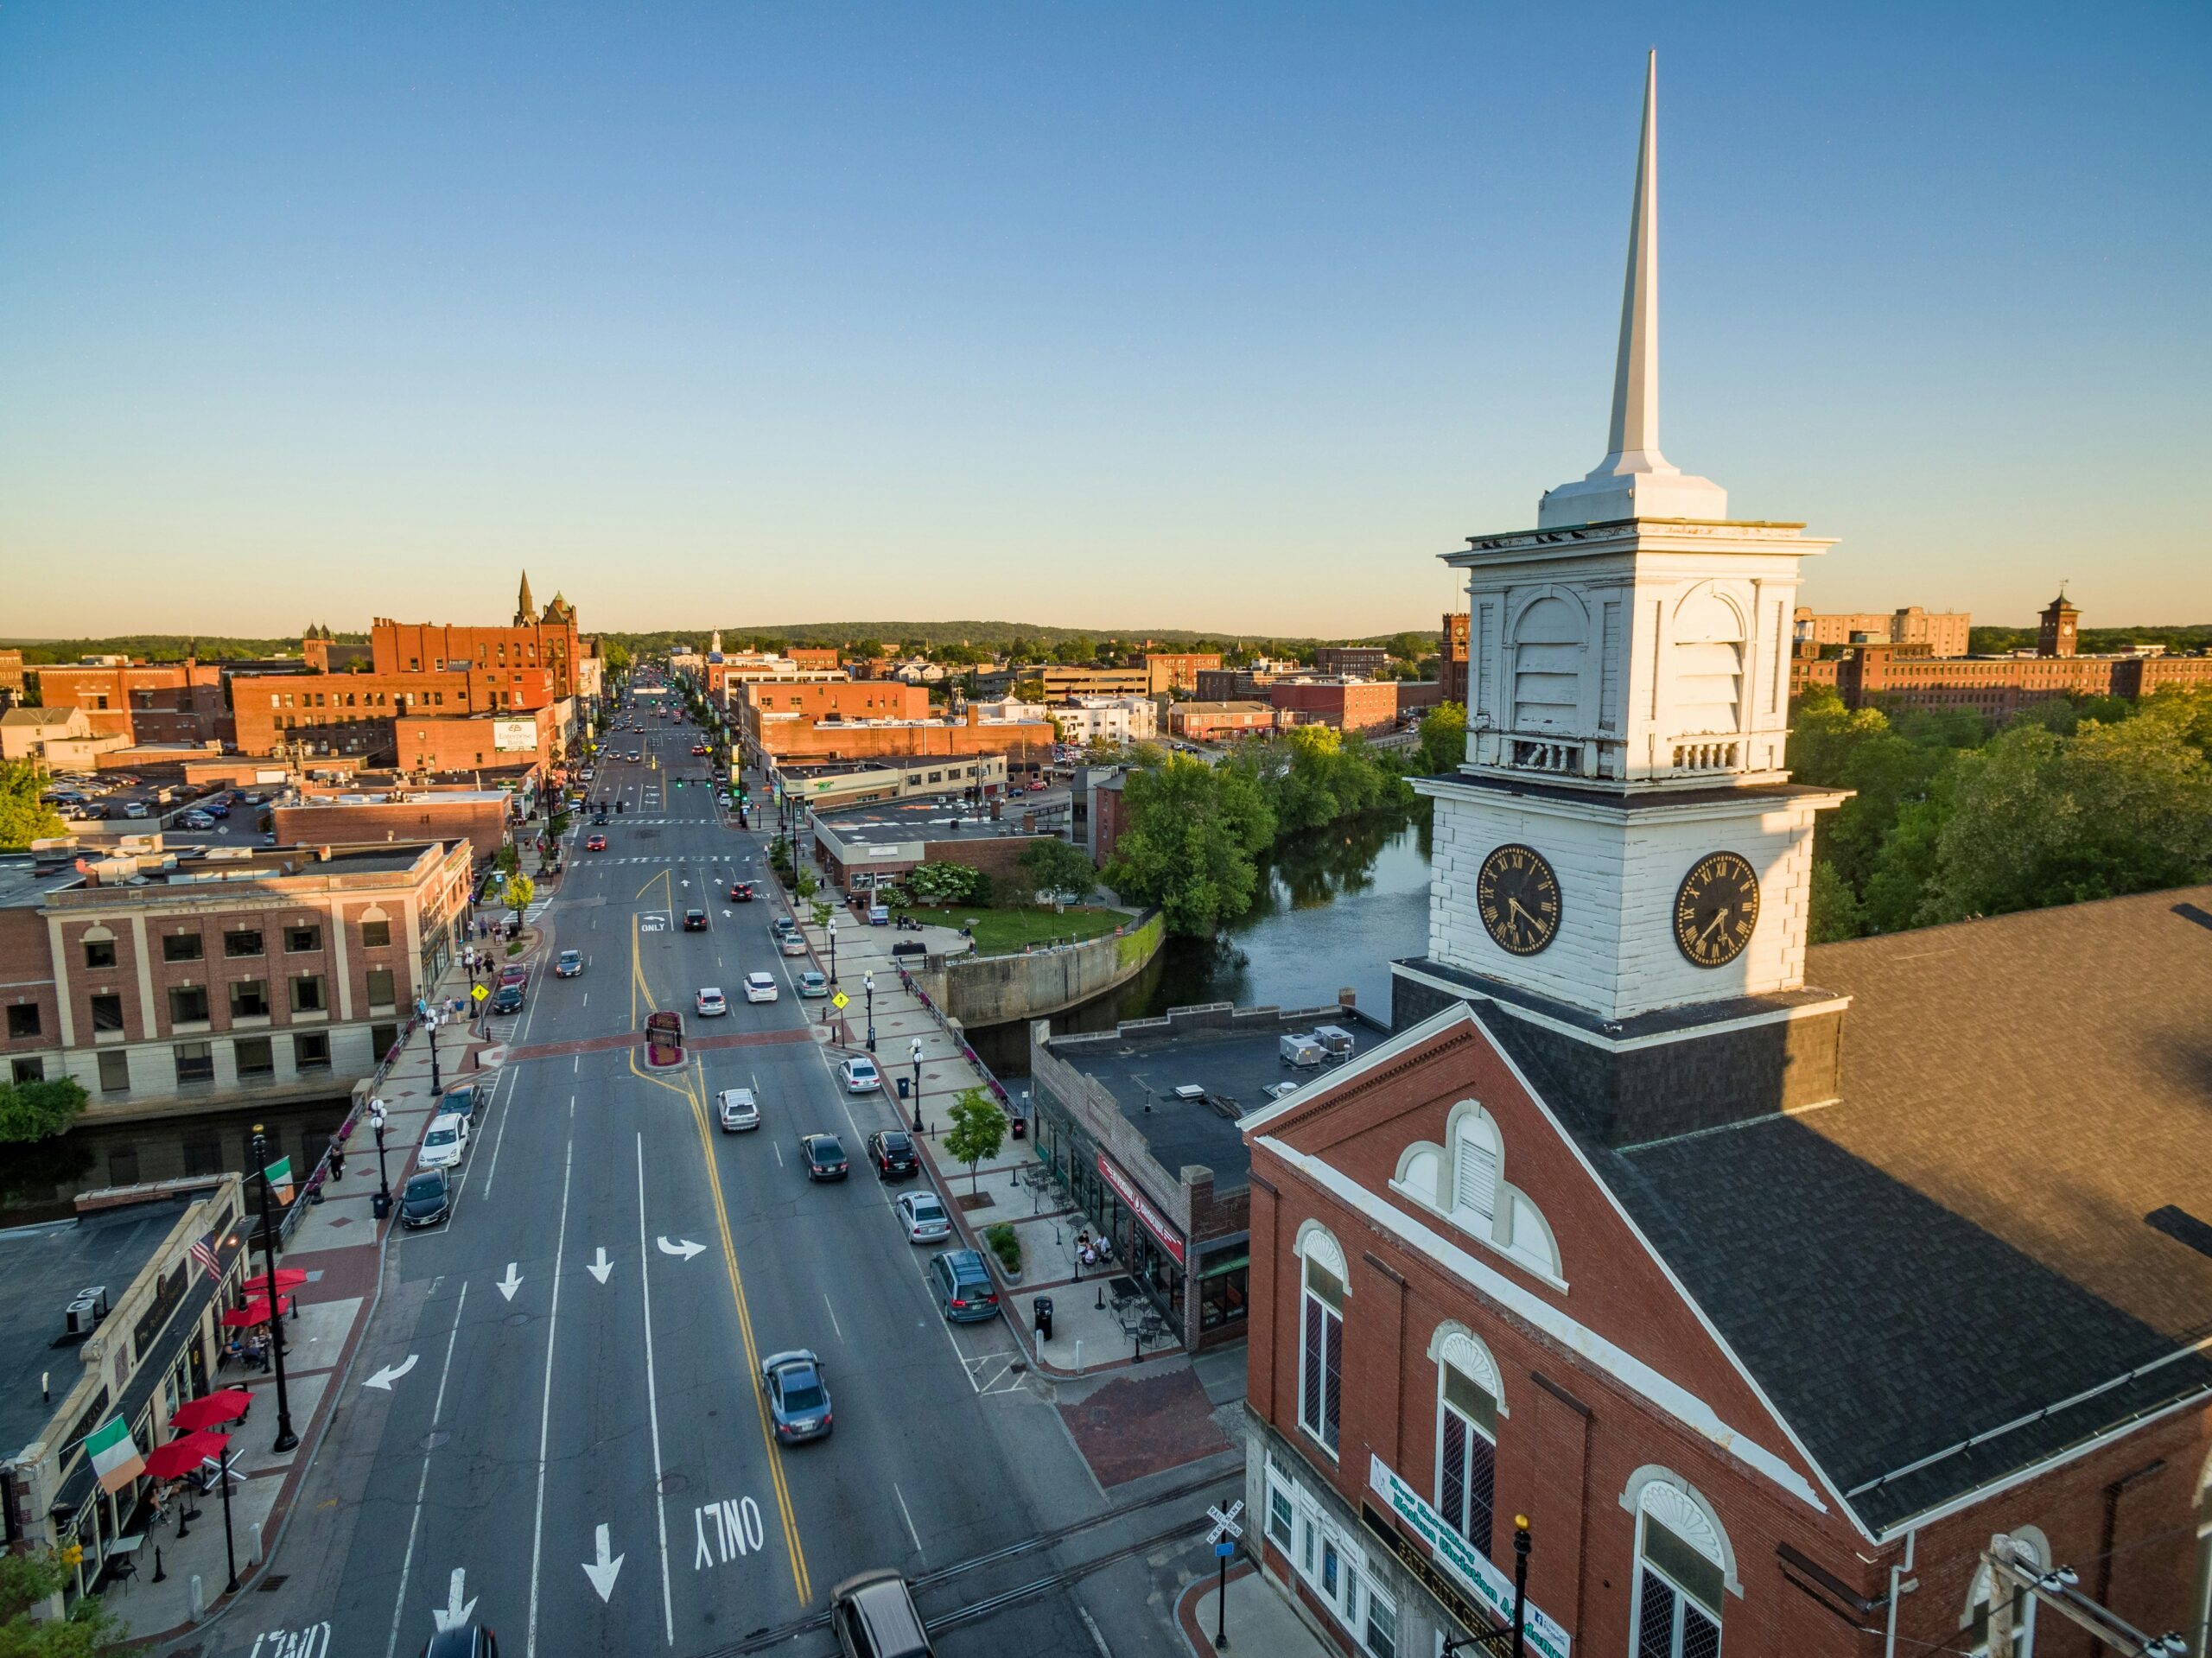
(525, 612)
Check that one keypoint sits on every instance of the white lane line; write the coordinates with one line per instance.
(422, 1485)
(587, 1001)
(545, 1410)
(652, 1399)
(909, 1518)
(573, 1063)
(834, 1324)
(776, 1146)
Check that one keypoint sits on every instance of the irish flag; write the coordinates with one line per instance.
(115, 1455)
(279, 1176)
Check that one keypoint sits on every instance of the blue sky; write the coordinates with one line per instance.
(1220, 317)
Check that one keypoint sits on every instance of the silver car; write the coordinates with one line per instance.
(738, 1110)
(921, 1213)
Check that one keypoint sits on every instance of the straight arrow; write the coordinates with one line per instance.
(456, 1611)
(603, 1571)
(682, 1247)
(390, 1374)
(600, 1266)
(511, 1283)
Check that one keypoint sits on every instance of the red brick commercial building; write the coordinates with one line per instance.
(1452, 648)
(1347, 704)
(214, 978)
(355, 713)
(820, 659)
(145, 702)
(1217, 722)
(1764, 1383)
(478, 817)
(1164, 672)
(546, 639)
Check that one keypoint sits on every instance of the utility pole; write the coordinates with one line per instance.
(2016, 1580)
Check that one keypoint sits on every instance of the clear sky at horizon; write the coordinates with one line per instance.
(1223, 317)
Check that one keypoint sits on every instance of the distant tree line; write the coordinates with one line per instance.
(1991, 641)
(164, 647)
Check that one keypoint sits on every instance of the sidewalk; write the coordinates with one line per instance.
(1260, 1617)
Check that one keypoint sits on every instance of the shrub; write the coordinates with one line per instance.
(1005, 1245)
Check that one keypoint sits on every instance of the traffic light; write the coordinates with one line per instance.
(72, 1554)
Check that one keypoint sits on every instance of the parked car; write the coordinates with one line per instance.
(712, 1001)
(445, 1143)
(859, 1075)
(426, 1199)
(695, 921)
(780, 927)
(136, 809)
(215, 807)
(459, 1102)
(507, 999)
(196, 820)
(793, 943)
(824, 1155)
(875, 1617)
(737, 1109)
(923, 1215)
(892, 1150)
(517, 976)
(811, 983)
(759, 986)
(799, 1397)
(963, 1284)
(570, 966)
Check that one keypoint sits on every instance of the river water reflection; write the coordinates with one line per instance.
(1335, 908)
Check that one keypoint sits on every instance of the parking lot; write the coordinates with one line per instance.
(104, 804)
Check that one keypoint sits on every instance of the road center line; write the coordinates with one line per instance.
(422, 1485)
(545, 1410)
(652, 1399)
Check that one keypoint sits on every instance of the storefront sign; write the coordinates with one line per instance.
(510, 736)
(1126, 1190)
(1463, 1564)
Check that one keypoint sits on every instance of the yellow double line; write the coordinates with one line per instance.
(693, 1089)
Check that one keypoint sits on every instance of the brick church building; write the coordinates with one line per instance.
(1847, 1300)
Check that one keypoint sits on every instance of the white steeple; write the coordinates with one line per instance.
(1635, 479)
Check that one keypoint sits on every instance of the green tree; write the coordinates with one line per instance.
(1055, 866)
(1032, 690)
(22, 819)
(516, 894)
(977, 1131)
(39, 1110)
(821, 910)
(28, 1581)
(1312, 776)
(1444, 738)
(1835, 911)
(614, 658)
(1189, 845)
(942, 882)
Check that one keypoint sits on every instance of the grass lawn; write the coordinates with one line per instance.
(999, 932)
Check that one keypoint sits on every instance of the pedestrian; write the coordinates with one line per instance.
(337, 1162)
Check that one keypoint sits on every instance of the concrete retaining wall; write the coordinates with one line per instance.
(999, 989)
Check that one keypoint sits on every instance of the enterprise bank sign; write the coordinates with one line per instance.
(1462, 1562)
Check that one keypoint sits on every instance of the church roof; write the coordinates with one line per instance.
(2001, 1233)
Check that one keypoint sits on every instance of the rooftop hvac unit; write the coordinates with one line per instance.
(1335, 1038)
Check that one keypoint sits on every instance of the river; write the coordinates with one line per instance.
(1335, 908)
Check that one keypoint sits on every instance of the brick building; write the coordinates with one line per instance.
(815, 659)
(1451, 643)
(1351, 661)
(478, 817)
(141, 701)
(1063, 681)
(1166, 672)
(1216, 722)
(546, 639)
(1940, 633)
(860, 846)
(356, 713)
(226, 974)
(1238, 684)
(1347, 704)
(11, 679)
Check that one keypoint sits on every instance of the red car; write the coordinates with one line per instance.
(515, 975)
(700, 748)
(741, 891)
(597, 843)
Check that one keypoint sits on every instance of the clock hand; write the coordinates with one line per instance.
(1715, 923)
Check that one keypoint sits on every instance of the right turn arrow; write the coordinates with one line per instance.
(603, 1571)
(600, 1266)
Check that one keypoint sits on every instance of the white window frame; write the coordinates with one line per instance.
(1671, 1502)
(1318, 1248)
(2034, 1548)
(1454, 1347)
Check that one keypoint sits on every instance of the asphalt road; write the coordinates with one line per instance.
(578, 1455)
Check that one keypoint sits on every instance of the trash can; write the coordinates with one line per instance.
(379, 1204)
(1021, 1128)
(1044, 1313)
(902, 1088)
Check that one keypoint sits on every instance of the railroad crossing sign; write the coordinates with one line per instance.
(840, 1001)
(1225, 1525)
(478, 993)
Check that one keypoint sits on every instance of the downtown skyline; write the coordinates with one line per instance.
(1229, 324)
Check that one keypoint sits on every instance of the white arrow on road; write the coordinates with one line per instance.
(390, 1374)
(601, 1265)
(601, 1572)
(456, 1611)
(511, 1283)
(682, 1247)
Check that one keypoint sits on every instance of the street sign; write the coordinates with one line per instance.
(478, 993)
(840, 1001)
(1225, 1525)
(1224, 1551)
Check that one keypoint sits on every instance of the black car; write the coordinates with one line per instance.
(462, 1102)
(507, 999)
(824, 1155)
(695, 921)
(426, 1198)
(599, 818)
(469, 1640)
(892, 1150)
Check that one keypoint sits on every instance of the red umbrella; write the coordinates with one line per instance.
(180, 1456)
(288, 1278)
(255, 1312)
(225, 1406)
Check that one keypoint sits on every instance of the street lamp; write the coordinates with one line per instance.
(230, 1546)
(868, 983)
(432, 1021)
(1518, 1631)
(833, 951)
(384, 1180)
(285, 1437)
(916, 1052)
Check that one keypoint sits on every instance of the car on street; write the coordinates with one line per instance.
(699, 748)
(712, 1001)
(892, 1150)
(599, 816)
(740, 892)
(875, 1617)
(695, 921)
(517, 977)
(824, 1155)
(426, 1199)
(460, 1103)
(469, 1640)
(921, 1213)
(507, 999)
(759, 986)
(962, 1286)
(445, 1143)
(792, 942)
(571, 965)
(811, 983)
(859, 1075)
(596, 844)
(799, 1397)
(780, 925)
(737, 1109)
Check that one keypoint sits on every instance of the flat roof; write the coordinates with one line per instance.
(923, 818)
(41, 1270)
(23, 882)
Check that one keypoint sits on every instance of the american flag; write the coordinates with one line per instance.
(204, 1253)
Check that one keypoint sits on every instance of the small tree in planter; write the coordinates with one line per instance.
(516, 894)
(978, 1130)
(1005, 1246)
(820, 909)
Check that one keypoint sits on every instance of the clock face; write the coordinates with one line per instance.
(1518, 895)
(1716, 909)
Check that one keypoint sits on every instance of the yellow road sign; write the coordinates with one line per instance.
(478, 993)
(840, 1001)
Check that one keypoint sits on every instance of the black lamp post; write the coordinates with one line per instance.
(917, 1052)
(433, 1023)
(833, 951)
(868, 984)
(230, 1545)
(384, 1180)
(1518, 1633)
(286, 1440)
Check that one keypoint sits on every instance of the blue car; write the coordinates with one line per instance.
(798, 1395)
(216, 808)
(963, 1284)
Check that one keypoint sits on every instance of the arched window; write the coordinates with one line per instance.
(1681, 1574)
(1475, 1156)
(1708, 665)
(1548, 650)
(1467, 1410)
(1321, 1334)
(2029, 1548)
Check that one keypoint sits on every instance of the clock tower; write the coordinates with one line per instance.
(1621, 867)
